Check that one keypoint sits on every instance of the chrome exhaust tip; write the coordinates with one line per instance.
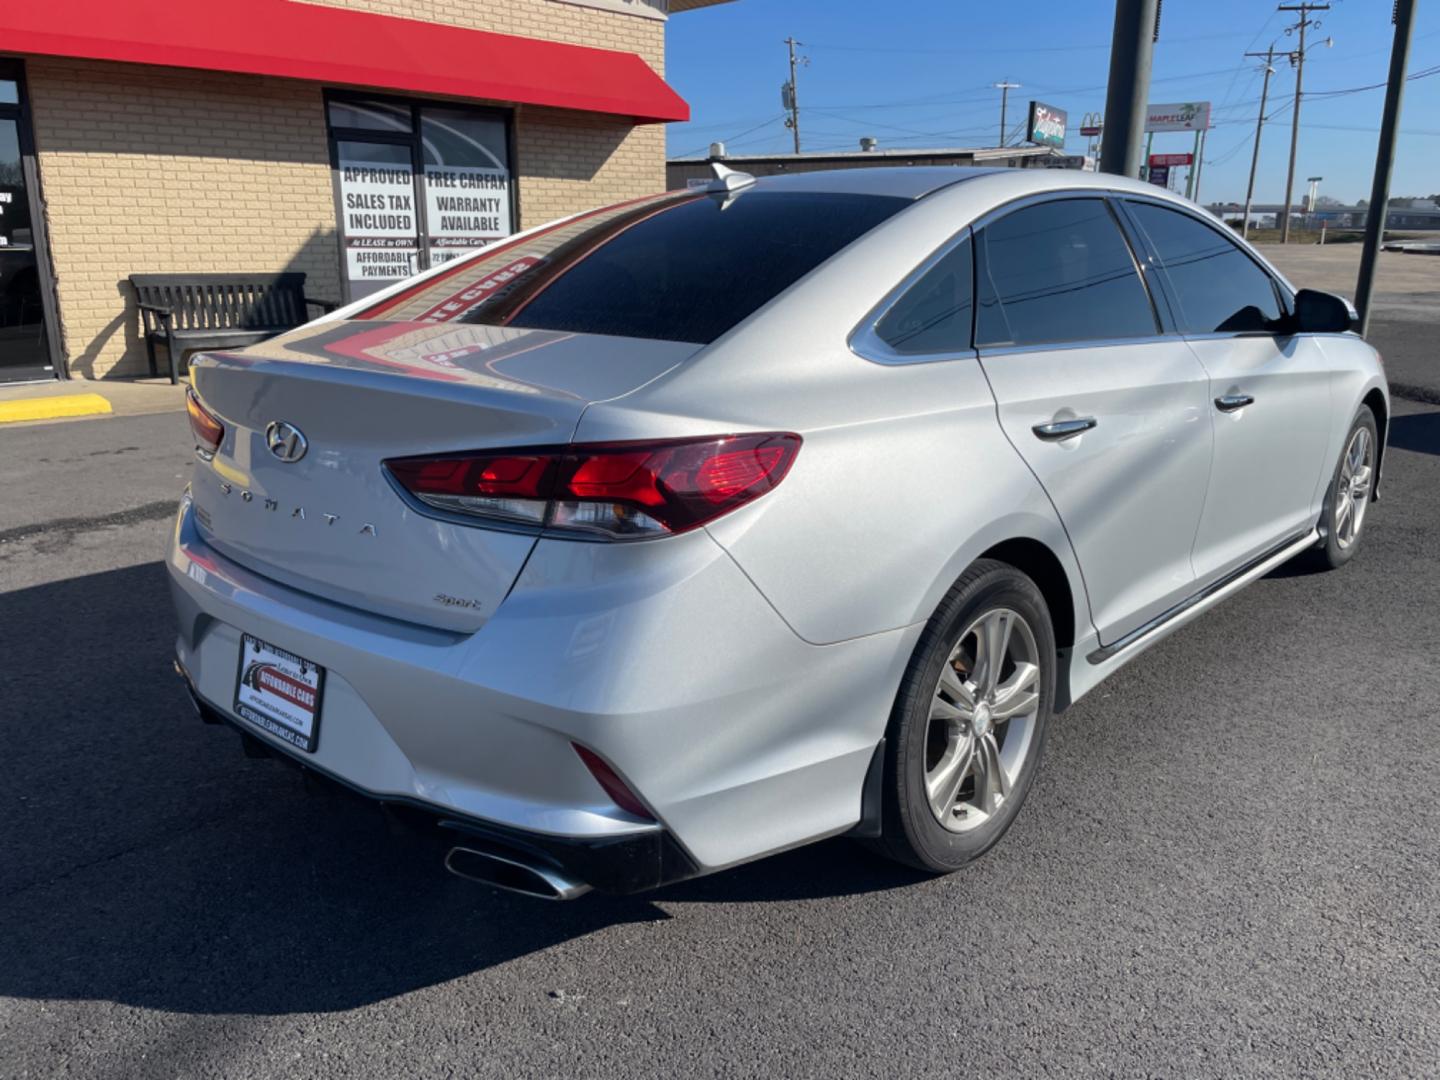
(195, 702)
(512, 875)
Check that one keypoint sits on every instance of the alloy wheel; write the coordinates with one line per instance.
(982, 719)
(1352, 487)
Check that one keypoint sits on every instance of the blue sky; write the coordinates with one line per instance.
(917, 73)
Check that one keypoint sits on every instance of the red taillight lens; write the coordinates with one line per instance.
(610, 490)
(207, 427)
(613, 786)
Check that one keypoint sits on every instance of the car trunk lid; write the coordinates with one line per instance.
(329, 521)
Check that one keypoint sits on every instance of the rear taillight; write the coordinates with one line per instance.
(207, 427)
(607, 490)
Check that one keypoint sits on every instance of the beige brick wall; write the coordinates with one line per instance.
(548, 20)
(162, 170)
(573, 161)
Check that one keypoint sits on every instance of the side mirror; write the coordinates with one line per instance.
(1323, 313)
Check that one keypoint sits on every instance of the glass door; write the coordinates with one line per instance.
(24, 340)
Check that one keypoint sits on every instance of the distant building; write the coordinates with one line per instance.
(1415, 218)
(680, 171)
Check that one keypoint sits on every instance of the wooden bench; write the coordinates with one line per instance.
(188, 312)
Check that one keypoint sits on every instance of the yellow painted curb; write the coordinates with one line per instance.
(52, 407)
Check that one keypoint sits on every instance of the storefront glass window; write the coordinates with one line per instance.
(378, 226)
(416, 185)
(467, 183)
(371, 115)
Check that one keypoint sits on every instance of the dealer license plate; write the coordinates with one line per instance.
(279, 692)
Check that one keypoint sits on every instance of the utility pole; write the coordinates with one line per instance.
(1004, 88)
(788, 95)
(1132, 48)
(1269, 55)
(1303, 23)
(1404, 19)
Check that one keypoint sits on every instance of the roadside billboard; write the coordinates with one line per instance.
(1183, 116)
(1047, 125)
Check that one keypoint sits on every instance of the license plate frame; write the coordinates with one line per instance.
(279, 692)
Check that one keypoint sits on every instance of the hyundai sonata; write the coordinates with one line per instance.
(670, 535)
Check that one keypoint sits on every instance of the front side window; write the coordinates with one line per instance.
(1059, 272)
(1218, 287)
(935, 313)
(678, 267)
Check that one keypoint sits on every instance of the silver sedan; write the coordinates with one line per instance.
(670, 535)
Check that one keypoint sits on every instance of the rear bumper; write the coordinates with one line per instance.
(620, 865)
(662, 658)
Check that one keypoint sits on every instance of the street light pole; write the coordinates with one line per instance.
(1404, 19)
(1132, 48)
(1269, 55)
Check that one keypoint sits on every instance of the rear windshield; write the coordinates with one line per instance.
(678, 267)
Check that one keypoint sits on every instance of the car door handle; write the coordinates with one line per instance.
(1231, 402)
(1063, 429)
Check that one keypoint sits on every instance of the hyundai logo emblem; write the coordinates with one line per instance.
(286, 441)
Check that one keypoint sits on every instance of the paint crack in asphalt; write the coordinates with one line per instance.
(70, 526)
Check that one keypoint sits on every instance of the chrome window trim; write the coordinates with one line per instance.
(865, 343)
(1227, 335)
(1057, 346)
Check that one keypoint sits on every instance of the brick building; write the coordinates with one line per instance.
(353, 140)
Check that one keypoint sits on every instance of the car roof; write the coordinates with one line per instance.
(916, 182)
(905, 182)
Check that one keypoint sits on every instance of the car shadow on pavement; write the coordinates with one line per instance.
(144, 860)
(1419, 432)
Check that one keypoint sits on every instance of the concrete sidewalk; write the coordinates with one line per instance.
(37, 403)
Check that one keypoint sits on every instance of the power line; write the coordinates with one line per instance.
(1019, 48)
(945, 99)
(733, 138)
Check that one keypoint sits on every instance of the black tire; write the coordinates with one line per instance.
(911, 830)
(1332, 552)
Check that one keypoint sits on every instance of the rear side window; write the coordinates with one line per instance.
(1059, 272)
(935, 313)
(679, 267)
(1219, 288)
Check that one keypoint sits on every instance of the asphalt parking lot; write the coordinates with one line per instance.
(1230, 864)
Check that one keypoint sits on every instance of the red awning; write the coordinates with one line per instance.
(323, 44)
